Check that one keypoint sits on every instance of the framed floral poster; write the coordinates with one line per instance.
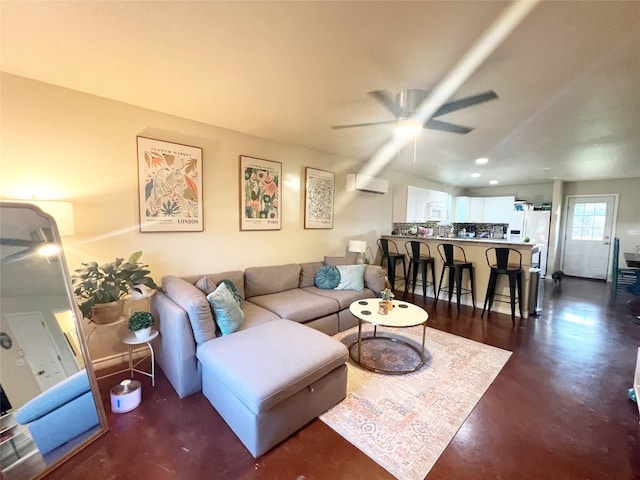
(169, 186)
(318, 198)
(260, 182)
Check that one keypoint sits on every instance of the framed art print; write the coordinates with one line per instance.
(260, 201)
(318, 198)
(169, 186)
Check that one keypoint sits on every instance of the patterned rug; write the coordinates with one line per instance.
(404, 422)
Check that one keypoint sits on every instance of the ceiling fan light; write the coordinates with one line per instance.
(408, 128)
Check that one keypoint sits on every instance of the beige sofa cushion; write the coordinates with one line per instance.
(273, 279)
(297, 304)
(308, 273)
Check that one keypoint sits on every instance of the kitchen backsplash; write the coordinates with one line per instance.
(435, 229)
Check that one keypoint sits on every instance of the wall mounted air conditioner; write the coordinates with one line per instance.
(357, 182)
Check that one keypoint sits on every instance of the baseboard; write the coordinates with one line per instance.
(118, 359)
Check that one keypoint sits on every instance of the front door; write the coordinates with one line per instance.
(587, 240)
(36, 342)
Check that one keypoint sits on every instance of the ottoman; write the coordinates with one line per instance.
(272, 379)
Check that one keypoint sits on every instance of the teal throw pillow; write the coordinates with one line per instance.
(351, 277)
(226, 310)
(234, 291)
(327, 277)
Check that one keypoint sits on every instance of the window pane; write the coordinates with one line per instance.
(576, 234)
(578, 209)
(598, 234)
(589, 208)
(598, 222)
(601, 209)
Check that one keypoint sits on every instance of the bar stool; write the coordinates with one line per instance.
(504, 261)
(418, 259)
(455, 262)
(389, 252)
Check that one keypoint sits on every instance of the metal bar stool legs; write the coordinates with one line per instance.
(513, 271)
(455, 264)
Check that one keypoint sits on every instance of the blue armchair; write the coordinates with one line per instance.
(60, 413)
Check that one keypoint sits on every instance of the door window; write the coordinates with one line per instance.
(589, 221)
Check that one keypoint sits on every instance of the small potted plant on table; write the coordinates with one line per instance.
(386, 302)
(140, 323)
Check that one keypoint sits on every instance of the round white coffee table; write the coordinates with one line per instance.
(403, 315)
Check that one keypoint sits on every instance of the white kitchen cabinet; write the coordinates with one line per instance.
(461, 206)
(437, 206)
(497, 209)
(476, 210)
(482, 209)
(415, 205)
(409, 204)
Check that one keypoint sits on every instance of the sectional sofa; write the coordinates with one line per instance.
(281, 368)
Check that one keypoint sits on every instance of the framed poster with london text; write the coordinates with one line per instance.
(169, 186)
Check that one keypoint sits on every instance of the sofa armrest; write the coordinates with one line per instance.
(374, 278)
(176, 350)
(53, 398)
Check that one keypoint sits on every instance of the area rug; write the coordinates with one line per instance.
(404, 422)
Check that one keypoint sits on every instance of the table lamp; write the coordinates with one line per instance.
(358, 247)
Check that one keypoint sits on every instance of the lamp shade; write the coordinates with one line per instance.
(357, 246)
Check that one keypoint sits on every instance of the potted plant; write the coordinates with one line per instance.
(386, 304)
(99, 288)
(140, 323)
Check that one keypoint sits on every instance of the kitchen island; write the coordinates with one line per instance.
(474, 249)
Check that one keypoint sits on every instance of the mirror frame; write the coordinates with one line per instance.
(77, 315)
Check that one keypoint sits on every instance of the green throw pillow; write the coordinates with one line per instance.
(226, 310)
(327, 277)
(232, 288)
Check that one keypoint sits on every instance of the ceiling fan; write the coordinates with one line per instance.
(405, 104)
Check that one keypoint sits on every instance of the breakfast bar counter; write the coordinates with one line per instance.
(474, 249)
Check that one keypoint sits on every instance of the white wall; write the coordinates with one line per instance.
(63, 144)
(628, 219)
(536, 193)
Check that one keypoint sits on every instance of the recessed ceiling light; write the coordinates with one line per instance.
(493, 182)
(481, 161)
(475, 174)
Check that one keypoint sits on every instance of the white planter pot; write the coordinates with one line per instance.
(144, 333)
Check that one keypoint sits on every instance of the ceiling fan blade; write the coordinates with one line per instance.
(337, 127)
(446, 127)
(389, 102)
(465, 102)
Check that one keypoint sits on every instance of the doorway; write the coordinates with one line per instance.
(35, 340)
(588, 233)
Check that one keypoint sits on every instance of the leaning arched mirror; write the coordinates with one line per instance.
(51, 406)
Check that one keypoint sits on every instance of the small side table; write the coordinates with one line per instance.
(132, 340)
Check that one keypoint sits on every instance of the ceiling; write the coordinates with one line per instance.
(567, 77)
(24, 272)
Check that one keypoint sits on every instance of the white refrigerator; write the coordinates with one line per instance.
(534, 224)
